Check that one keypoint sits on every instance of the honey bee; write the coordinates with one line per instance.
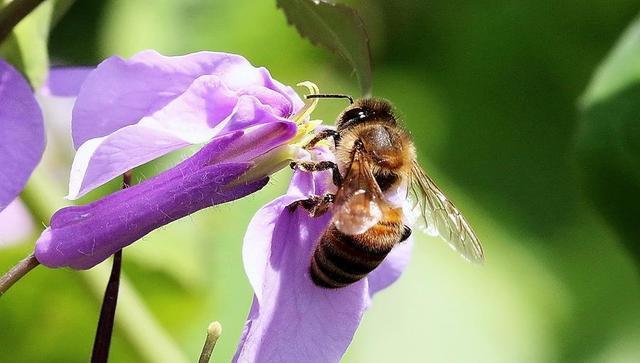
(375, 158)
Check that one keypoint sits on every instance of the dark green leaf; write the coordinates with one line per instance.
(608, 141)
(336, 27)
(60, 8)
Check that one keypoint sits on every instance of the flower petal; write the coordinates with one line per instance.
(21, 133)
(65, 81)
(100, 160)
(122, 92)
(391, 268)
(16, 224)
(292, 320)
(255, 252)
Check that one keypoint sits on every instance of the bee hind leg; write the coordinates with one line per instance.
(319, 166)
(406, 232)
(316, 205)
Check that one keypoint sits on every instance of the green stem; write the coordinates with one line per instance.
(17, 272)
(13, 13)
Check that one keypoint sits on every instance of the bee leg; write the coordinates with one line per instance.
(406, 232)
(320, 166)
(324, 134)
(316, 205)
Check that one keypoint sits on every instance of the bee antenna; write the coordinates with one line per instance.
(326, 95)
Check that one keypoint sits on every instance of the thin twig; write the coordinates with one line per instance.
(104, 331)
(102, 341)
(17, 272)
(13, 13)
(213, 333)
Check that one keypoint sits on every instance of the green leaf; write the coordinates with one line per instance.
(60, 8)
(334, 26)
(26, 47)
(620, 69)
(608, 142)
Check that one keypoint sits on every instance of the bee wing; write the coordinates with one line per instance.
(442, 218)
(359, 202)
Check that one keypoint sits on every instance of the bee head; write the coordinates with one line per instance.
(366, 109)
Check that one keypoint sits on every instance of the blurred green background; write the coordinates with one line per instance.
(491, 92)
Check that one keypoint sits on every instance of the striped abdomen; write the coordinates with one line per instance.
(340, 259)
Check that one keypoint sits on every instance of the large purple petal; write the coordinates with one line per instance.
(122, 92)
(206, 110)
(257, 245)
(21, 133)
(391, 268)
(292, 320)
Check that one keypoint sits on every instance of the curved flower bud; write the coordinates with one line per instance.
(132, 111)
(21, 133)
(291, 319)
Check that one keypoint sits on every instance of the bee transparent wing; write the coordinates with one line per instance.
(442, 218)
(359, 203)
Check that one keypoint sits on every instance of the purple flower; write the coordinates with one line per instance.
(129, 112)
(291, 319)
(21, 133)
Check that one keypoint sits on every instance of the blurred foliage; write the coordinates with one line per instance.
(26, 46)
(489, 90)
(608, 142)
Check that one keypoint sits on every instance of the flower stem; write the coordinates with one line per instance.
(17, 272)
(13, 13)
(102, 341)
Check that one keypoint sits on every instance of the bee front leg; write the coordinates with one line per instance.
(324, 134)
(320, 166)
(316, 205)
